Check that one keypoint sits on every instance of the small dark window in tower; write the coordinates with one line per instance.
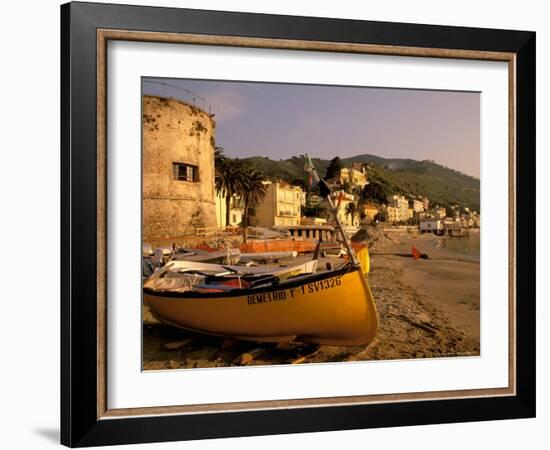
(185, 172)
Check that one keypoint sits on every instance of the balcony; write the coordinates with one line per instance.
(284, 213)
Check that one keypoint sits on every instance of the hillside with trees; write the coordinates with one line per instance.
(442, 185)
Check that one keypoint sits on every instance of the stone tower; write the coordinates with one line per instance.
(177, 167)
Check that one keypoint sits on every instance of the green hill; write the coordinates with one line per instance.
(442, 185)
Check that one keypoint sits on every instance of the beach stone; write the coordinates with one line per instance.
(246, 358)
(177, 344)
(174, 364)
(423, 318)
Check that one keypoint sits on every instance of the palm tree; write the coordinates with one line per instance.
(235, 178)
(352, 210)
(252, 195)
(230, 180)
(219, 156)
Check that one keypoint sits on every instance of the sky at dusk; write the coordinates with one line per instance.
(283, 120)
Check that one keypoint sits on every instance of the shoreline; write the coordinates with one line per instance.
(427, 308)
(447, 280)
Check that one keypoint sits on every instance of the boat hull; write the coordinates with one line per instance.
(334, 309)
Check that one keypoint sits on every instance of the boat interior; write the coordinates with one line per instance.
(234, 283)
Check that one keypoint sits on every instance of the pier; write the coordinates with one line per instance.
(457, 231)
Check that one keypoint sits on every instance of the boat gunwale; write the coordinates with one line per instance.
(347, 268)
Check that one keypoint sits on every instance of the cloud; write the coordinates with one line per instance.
(226, 103)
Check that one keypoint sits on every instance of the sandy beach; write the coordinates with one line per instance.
(427, 308)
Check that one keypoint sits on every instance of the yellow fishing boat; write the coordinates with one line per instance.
(334, 308)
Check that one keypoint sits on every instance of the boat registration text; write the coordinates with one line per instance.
(289, 294)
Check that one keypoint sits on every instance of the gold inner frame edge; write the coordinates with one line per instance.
(103, 36)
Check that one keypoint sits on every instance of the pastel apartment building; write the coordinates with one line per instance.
(282, 206)
(397, 209)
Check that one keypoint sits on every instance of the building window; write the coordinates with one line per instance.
(234, 218)
(185, 172)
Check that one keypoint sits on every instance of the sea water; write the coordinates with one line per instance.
(467, 246)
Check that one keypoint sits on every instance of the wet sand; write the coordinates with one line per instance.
(451, 281)
(427, 308)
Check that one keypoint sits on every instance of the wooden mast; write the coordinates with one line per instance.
(325, 192)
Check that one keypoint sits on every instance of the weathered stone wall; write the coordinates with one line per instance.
(175, 132)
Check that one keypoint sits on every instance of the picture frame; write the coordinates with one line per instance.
(86, 28)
